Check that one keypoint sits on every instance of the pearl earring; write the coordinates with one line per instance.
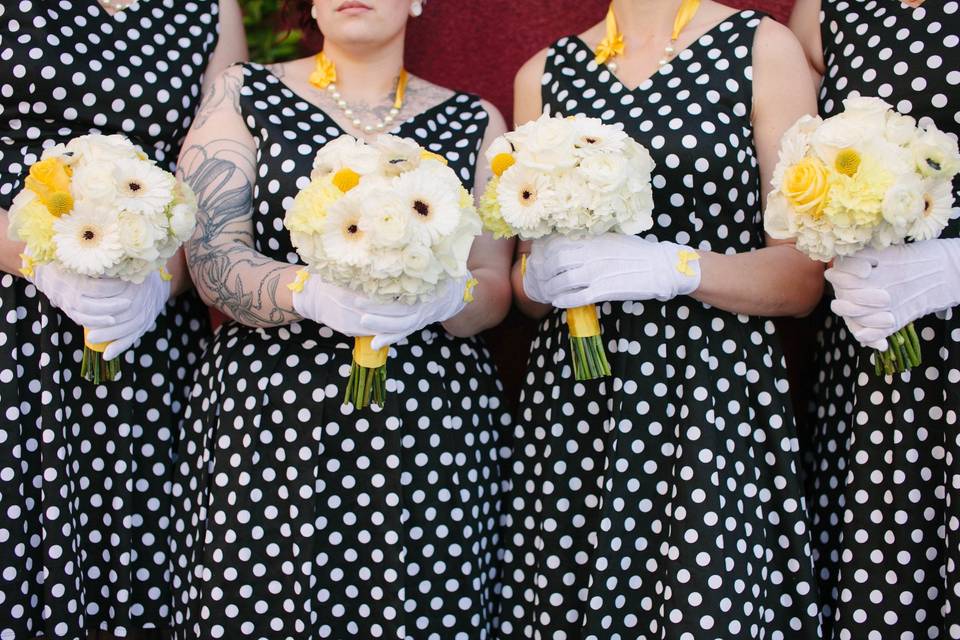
(416, 9)
(313, 12)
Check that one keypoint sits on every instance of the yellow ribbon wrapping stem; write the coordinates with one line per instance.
(368, 357)
(583, 321)
(99, 347)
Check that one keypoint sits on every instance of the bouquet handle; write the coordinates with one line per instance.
(368, 374)
(902, 354)
(586, 346)
(94, 368)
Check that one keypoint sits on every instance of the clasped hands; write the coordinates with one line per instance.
(569, 273)
(353, 314)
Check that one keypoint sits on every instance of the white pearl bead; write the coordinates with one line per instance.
(661, 62)
(669, 49)
(612, 66)
(356, 122)
(342, 104)
(388, 119)
(336, 95)
(394, 111)
(348, 113)
(368, 129)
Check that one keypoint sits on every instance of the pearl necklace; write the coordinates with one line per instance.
(324, 76)
(613, 44)
(116, 5)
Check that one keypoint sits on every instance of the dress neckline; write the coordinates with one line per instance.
(115, 17)
(395, 131)
(667, 69)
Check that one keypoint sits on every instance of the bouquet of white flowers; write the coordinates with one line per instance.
(575, 177)
(98, 207)
(867, 177)
(389, 220)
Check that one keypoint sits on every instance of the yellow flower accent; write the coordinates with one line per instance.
(686, 257)
(33, 225)
(27, 264)
(613, 44)
(324, 72)
(165, 275)
(430, 155)
(468, 290)
(297, 285)
(501, 162)
(523, 264)
(489, 211)
(847, 162)
(346, 179)
(806, 186)
(50, 180)
(309, 209)
(857, 201)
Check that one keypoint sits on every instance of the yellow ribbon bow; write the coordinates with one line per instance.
(613, 44)
(683, 266)
(324, 73)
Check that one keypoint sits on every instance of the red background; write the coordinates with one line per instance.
(478, 46)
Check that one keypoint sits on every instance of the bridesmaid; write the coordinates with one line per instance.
(884, 482)
(666, 501)
(302, 517)
(84, 469)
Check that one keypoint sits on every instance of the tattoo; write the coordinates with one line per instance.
(225, 91)
(226, 269)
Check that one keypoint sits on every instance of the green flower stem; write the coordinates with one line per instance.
(589, 358)
(97, 370)
(366, 386)
(903, 352)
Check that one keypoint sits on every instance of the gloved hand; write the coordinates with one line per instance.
(142, 303)
(609, 267)
(340, 309)
(880, 292)
(90, 302)
(405, 319)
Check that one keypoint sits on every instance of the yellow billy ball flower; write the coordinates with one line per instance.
(346, 179)
(50, 180)
(501, 162)
(847, 162)
(806, 185)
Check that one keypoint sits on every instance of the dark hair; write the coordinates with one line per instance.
(296, 13)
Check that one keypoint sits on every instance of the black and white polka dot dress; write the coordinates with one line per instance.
(665, 501)
(85, 469)
(304, 518)
(884, 479)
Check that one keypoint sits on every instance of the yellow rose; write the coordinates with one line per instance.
(806, 185)
(50, 180)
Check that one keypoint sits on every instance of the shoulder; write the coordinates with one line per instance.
(776, 46)
(497, 125)
(532, 70)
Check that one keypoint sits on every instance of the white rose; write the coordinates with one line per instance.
(94, 182)
(778, 217)
(550, 145)
(385, 221)
(604, 173)
(183, 220)
(101, 148)
(866, 107)
(346, 152)
(903, 202)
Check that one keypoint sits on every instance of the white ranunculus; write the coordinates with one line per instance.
(183, 220)
(903, 203)
(101, 148)
(138, 237)
(95, 182)
(871, 109)
(385, 220)
(900, 129)
(778, 217)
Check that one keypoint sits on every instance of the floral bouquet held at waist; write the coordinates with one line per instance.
(574, 177)
(868, 177)
(98, 207)
(388, 220)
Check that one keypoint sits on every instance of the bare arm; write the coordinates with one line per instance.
(489, 260)
(777, 280)
(218, 161)
(231, 46)
(527, 106)
(9, 250)
(805, 24)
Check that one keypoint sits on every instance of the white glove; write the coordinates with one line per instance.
(341, 309)
(880, 292)
(609, 267)
(142, 303)
(406, 319)
(93, 303)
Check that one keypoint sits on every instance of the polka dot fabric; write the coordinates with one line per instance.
(665, 501)
(882, 474)
(84, 469)
(303, 518)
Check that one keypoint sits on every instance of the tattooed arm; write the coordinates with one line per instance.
(219, 162)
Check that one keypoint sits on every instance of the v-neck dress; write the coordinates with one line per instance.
(300, 517)
(884, 470)
(85, 469)
(664, 501)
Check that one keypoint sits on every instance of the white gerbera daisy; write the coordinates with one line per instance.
(593, 137)
(937, 211)
(343, 239)
(526, 199)
(142, 187)
(88, 241)
(432, 204)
